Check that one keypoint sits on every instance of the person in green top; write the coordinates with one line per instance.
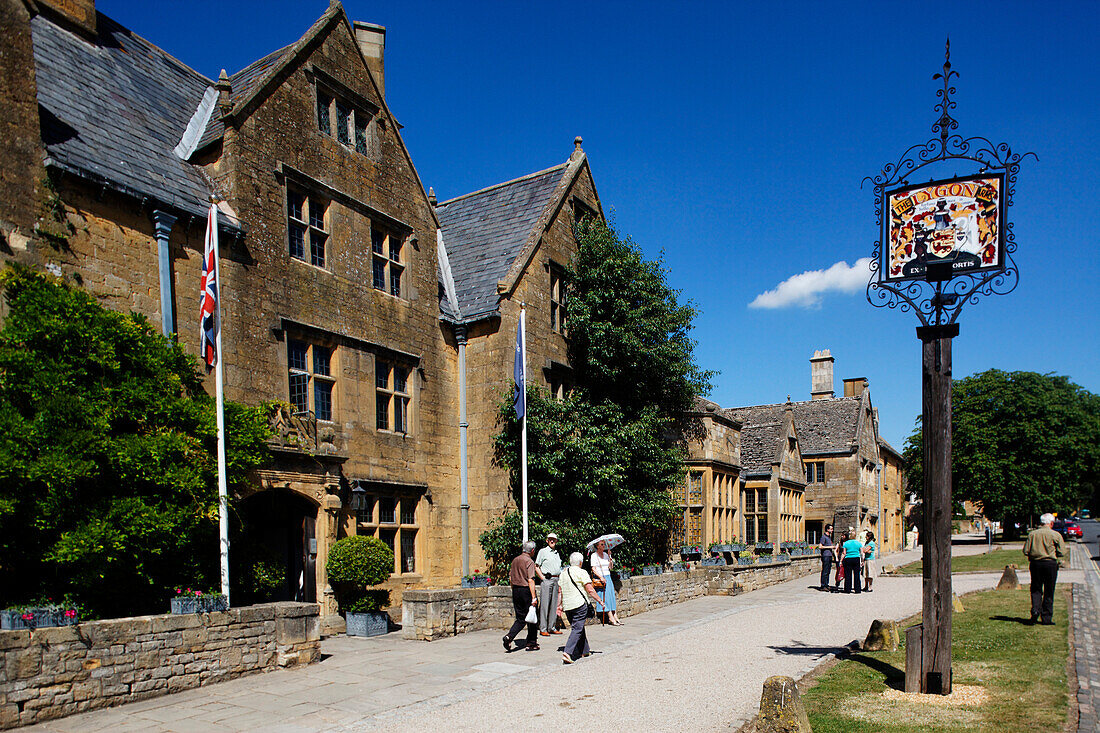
(852, 550)
(1044, 548)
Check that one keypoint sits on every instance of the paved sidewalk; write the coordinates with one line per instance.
(1086, 639)
(709, 655)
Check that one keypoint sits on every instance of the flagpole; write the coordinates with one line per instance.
(523, 440)
(223, 493)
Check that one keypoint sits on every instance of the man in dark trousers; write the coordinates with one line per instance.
(522, 577)
(1044, 548)
(827, 546)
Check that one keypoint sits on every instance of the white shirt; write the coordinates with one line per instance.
(601, 565)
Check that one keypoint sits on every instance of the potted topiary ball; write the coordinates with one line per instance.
(354, 564)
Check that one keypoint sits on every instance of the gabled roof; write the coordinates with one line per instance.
(113, 110)
(486, 231)
(824, 426)
(242, 85)
(759, 443)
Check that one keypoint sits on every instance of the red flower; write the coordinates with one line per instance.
(71, 613)
(28, 616)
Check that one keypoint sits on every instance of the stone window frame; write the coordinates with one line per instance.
(335, 103)
(387, 266)
(317, 380)
(399, 530)
(582, 211)
(302, 216)
(393, 400)
(815, 475)
(753, 520)
(558, 299)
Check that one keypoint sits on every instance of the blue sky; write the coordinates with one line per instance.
(732, 139)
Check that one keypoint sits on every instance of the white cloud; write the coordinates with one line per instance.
(805, 289)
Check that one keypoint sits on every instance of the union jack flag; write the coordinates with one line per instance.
(208, 293)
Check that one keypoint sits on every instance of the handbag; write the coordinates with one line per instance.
(590, 611)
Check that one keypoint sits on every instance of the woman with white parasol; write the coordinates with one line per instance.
(601, 573)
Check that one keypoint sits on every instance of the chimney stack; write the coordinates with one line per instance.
(821, 375)
(372, 42)
(854, 387)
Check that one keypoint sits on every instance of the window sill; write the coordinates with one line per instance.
(310, 265)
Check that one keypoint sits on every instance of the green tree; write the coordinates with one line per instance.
(107, 454)
(606, 458)
(1022, 443)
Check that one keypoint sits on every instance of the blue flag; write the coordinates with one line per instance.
(519, 372)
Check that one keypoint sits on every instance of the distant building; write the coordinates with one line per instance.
(799, 466)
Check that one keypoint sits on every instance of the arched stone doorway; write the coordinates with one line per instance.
(279, 530)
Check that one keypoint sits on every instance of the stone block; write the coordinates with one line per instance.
(883, 635)
(781, 708)
(1008, 580)
(183, 682)
(22, 664)
(290, 631)
(956, 603)
(87, 690)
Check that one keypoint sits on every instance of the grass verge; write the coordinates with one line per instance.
(993, 562)
(1022, 669)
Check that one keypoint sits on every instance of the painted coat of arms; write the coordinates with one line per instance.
(952, 224)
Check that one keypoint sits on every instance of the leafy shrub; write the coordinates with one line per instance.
(354, 563)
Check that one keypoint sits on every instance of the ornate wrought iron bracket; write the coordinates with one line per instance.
(938, 299)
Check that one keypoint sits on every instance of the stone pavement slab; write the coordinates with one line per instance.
(1086, 640)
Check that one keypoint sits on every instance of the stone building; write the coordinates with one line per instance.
(772, 477)
(372, 314)
(710, 497)
(853, 478)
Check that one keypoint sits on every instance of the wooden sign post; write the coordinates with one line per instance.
(935, 664)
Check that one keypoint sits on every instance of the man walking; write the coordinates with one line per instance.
(827, 546)
(548, 562)
(522, 577)
(1043, 548)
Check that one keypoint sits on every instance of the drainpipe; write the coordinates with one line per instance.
(460, 337)
(878, 480)
(162, 224)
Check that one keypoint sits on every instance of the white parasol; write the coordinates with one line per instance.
(612, 540)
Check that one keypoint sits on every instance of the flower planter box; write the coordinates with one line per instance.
(475, 581)
(782, 557)
(708, 562)
(796, 552)
(745, 560)
(199, 604)
(763, 559)
(679, 567)
(691, 550)
(721, 548)
(652, 570)
(738, 547)
(623, 574)
(367, 624)
(38, 618)
(765, 547)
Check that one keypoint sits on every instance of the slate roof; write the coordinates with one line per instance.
(241, 86)
(823, 426)
(759, 443)
(114, 110)
(485, 231)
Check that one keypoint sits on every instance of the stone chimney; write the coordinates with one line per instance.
(77, 14)
(855, 386)
(372, 42)
(821, 375)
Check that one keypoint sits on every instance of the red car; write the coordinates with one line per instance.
(1074, 530)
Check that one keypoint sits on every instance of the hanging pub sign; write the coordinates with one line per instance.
(944, 228)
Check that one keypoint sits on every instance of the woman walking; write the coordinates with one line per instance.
(574, 601)
(601, 572)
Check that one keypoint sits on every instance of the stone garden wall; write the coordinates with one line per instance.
(435, 614)
(54, 672)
